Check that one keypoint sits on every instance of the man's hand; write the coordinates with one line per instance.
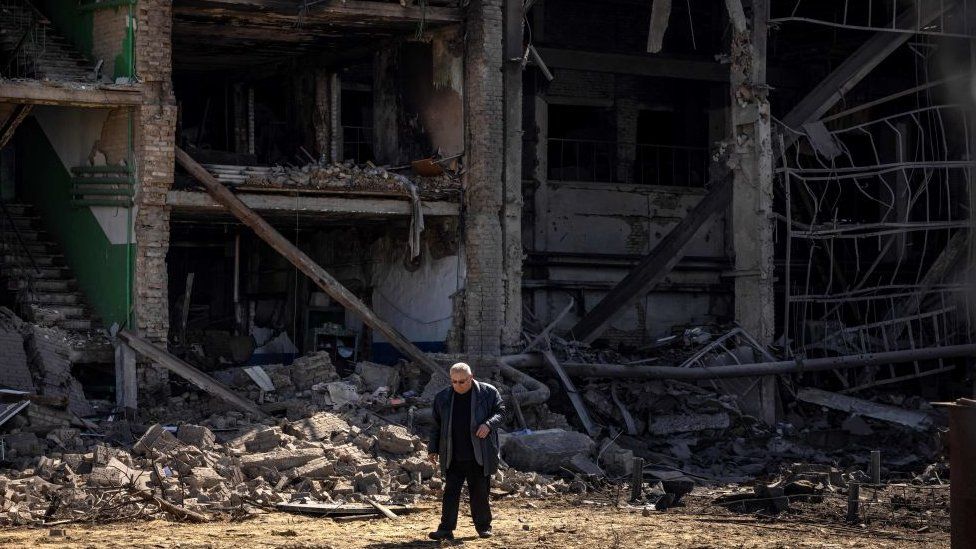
(432, 457)
(482, 431)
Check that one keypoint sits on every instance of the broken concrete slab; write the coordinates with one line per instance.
(281, 459)
(196, 435)
(545, 451)
(375, 376)
(919, 421)
(321, 426)
(318, 468)
(156, 439)
(395, 440)
(687, 423)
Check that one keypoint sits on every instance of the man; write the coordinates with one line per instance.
(464, 439)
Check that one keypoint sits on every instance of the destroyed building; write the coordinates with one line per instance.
(601, 204)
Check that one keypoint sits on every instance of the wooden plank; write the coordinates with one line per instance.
(328, 11)
(189, 373)
(655, 266)
(37, 93)
(849, 73)
(12, 122)
(331, 509)
(282, 202)
(660, 14)
(382, 509)
(304, 263)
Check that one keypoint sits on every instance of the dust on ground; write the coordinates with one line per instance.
(518, 523)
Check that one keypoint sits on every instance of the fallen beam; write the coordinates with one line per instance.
(655, 266)
(43, 93)
(304, 263)
(660, 14)
(574, 397)
(12, 122)
(622, 371)
(909, 418)
(856, 67)
(189, 373)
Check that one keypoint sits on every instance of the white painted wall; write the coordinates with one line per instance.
(72, 132)
(418, 303)
(611, 218)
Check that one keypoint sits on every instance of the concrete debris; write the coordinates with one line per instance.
(545, 451)
(324, 175)
(396, 440)
(688, 423)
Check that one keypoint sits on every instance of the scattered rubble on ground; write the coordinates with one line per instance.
(351, 442)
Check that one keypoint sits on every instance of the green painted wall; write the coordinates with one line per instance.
(78, 26)
(99, 266)
(124, 61)
(75, 25)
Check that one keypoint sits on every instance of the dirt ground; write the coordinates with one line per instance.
(518, 523)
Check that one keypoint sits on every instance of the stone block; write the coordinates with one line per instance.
(157, 440)
(545, 451)
(395, 439)
(318, 468)
(321, 426)
(375, 376)
(281, 459)
(196, 435)
(687, 423)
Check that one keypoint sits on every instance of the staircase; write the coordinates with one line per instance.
(31, 48)
(33, 269)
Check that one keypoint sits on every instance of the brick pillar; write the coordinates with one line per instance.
(155, 131)
(484, 298)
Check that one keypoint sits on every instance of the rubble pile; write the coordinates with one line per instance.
(348, 175)
(235, 467)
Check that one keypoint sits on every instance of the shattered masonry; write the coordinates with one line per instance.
(712, 256)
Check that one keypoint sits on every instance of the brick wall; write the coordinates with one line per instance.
(114, 140)
(108, 39)
(484, 293)
(155, 153)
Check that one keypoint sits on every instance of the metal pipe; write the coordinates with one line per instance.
(620, 371)
(537, 393)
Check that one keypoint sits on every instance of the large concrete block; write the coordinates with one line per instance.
(545, 451)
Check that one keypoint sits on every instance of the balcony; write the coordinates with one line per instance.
(594, 161)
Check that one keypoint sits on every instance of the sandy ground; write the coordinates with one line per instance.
(518, 523)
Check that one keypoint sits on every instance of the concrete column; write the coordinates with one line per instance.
(512, 214)
(752, 194)
(154, 128)
(627, 111)
(752, 227)
(484, 185)
(385, 107)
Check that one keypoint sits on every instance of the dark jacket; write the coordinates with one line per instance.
(486, 408)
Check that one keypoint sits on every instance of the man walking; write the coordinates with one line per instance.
(464, 439)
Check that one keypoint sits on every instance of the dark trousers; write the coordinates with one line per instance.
(457, 474)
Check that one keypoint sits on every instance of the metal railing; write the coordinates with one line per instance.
(671, 165)
(23, 38)
(357, 143)
(640, 163)
(582, 160)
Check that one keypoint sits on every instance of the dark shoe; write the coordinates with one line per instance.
(484, 533)
(440, 534)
